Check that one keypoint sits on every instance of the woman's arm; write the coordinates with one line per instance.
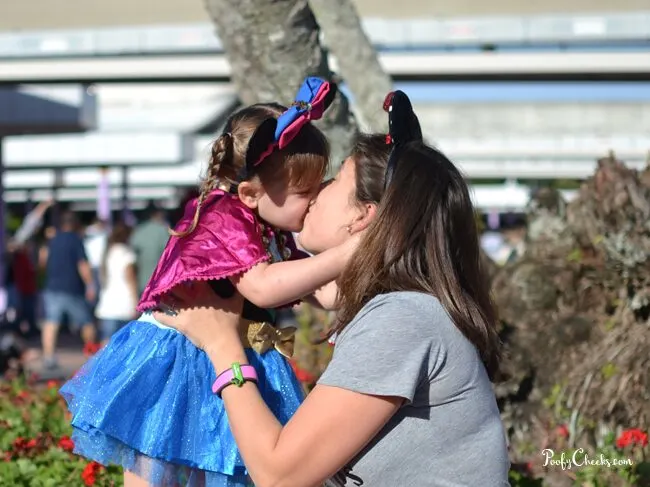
(327, 431)
(272, 285)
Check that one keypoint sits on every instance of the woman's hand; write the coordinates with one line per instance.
(205, 318)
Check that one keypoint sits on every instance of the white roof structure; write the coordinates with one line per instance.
(161, 130)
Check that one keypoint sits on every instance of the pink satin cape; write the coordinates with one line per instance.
(226, 242)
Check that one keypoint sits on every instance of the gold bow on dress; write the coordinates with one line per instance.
(262, 336)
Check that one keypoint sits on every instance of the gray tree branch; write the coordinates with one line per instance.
(356, 59)
(272, 45)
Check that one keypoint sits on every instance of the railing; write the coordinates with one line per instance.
(403, 34)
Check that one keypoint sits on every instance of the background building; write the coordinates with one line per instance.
(519, 95)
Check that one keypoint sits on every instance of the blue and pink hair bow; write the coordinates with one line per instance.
(313, 98)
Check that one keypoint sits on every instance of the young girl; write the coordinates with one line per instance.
(144, 401)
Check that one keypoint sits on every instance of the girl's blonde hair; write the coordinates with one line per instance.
(301, 164)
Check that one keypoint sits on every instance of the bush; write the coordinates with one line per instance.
(35, 444)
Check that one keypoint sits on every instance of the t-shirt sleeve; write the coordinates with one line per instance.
(80, 250)
(383, 351)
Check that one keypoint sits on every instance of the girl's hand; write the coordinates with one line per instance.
(202, 316)
(349, 247)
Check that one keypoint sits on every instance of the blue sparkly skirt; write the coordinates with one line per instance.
(145, 402)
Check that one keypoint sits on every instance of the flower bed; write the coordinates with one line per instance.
(36, 449)
(35, 444)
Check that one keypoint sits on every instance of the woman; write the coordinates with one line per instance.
(406, 399)
(119, 289)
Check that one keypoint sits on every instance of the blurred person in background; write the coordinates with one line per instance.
(22, 289)
(69, 287)
(21, 277)
(148, 242)
(118, 294)
(96, 235)
(32, 223)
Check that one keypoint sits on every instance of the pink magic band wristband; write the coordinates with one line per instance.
(236, 375)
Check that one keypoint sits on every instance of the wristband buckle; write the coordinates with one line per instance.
(237, 376)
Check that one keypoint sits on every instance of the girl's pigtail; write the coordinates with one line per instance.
(221, 151)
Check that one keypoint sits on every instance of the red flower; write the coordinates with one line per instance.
(22, 444)
(632, 437)
(91, 349)
(65, 443)
(23, 395)
(89, 475)
(562, 431)
(52, 384)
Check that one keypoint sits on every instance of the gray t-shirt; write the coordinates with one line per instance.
(448, 432)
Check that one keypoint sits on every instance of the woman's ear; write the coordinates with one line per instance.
(366, 215)
(249, 193)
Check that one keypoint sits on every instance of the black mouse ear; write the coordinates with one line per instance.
(261, 143)
(331, 94)
(404, 126)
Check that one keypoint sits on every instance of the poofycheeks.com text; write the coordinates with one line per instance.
(579, 459)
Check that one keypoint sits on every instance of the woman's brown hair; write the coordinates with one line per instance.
(302, 164)
(370, 155)
(424, 238)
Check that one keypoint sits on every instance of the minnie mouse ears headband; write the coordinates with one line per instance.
(403, 127)
(313, 98)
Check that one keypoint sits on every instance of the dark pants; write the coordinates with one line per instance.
(24, 306)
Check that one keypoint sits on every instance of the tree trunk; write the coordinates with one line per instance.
(272, 45)
(356, 59)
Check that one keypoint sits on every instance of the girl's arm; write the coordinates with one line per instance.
(273, 285)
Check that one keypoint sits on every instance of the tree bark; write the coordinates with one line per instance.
(356, 59)
(272, 45)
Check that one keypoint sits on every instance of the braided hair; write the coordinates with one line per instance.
(304, 160)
